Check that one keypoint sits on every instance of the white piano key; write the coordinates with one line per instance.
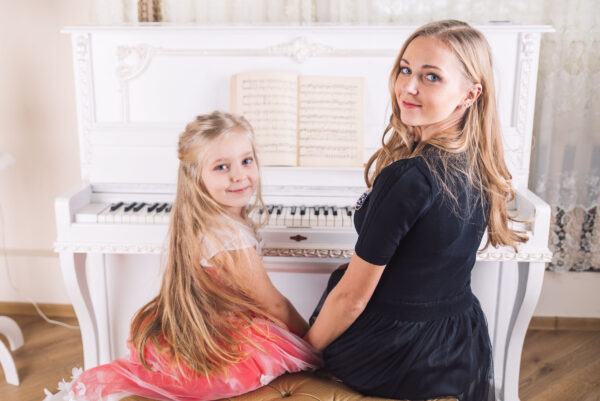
(90, 213)
(150, 217)
(163, 218)
(317, 220)
(288, 217)
(117, 216)
(330, 219)
(149, 214)
(126, 217)
(349, 220)
(136, 214)
(108, 216)
(137, 217)
(305, 219)
(279, 220)
(339, 220)
(296, 218)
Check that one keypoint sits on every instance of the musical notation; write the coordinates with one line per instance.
(302, 120)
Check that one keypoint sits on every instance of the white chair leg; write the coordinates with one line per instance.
(8, 365)
(11, 331)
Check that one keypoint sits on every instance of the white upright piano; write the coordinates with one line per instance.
(137, 86)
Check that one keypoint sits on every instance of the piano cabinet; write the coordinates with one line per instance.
(127, 136)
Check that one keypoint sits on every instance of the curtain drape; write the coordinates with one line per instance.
(565, 162)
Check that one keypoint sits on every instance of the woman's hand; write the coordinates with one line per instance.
(346, 301)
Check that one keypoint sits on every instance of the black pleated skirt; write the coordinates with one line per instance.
(415, 352)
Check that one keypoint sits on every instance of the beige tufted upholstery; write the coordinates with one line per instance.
(302, 387)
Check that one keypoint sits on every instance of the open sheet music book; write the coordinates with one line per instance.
(302, 120)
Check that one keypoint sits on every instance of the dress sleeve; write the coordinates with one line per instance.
(237, 237)
(401, 194)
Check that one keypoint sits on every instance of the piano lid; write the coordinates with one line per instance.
(137, 86)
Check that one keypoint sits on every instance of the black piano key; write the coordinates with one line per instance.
(334, 210)
(302, 210)
(293, 211)
(130, 206)
(168, 209)
(139, 206)
(152, 207)
(316, 209)
(348, 211)
(325, 210)
(161, 207)
(115, 206)
(270, 208)
(279, 209)
(261, 210)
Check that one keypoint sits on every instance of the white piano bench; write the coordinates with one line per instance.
(13, 334)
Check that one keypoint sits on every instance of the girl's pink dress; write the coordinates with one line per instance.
(281, 352)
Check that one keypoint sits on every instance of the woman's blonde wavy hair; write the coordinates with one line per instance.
(478, 139)
(186, 321)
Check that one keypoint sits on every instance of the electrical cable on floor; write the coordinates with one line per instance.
(14, 287)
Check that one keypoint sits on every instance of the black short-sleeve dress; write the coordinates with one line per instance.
(423, 333)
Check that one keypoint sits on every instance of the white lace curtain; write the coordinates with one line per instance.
(565, 167)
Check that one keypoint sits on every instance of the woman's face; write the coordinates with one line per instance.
(431, 86)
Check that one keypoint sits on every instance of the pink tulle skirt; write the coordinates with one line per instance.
(280, 352)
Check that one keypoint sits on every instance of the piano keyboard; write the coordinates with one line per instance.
(326, 216)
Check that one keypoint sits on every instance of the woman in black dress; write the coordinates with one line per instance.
(401, 320)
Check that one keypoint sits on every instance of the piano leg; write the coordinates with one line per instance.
(13, 334)
(531, 276)
(99, 296)
(73, 271)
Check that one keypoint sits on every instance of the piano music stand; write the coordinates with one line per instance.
(9, 327)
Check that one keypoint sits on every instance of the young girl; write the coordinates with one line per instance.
(401, 320)
(218, 327)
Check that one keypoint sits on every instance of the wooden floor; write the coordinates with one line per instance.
(556, 366)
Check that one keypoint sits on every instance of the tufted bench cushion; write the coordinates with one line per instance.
(302, 386)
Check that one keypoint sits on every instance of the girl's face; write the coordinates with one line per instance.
(431, 87)
(229, 171)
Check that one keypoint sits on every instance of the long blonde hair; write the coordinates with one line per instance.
(186, 320)
(475, 151)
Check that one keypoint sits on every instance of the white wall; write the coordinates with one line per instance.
(38, 127)
(571, 294)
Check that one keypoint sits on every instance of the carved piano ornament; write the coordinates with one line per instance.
(137, 87)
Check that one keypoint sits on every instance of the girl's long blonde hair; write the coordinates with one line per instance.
(478, 140)
(199, 311)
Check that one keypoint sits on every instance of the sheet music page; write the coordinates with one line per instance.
(269, 101)
(330, 121)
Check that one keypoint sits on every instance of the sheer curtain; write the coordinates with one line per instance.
(565, 166)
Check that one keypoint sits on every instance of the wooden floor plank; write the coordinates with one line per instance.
(546, 351)
(561, 369)
(582, 384)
